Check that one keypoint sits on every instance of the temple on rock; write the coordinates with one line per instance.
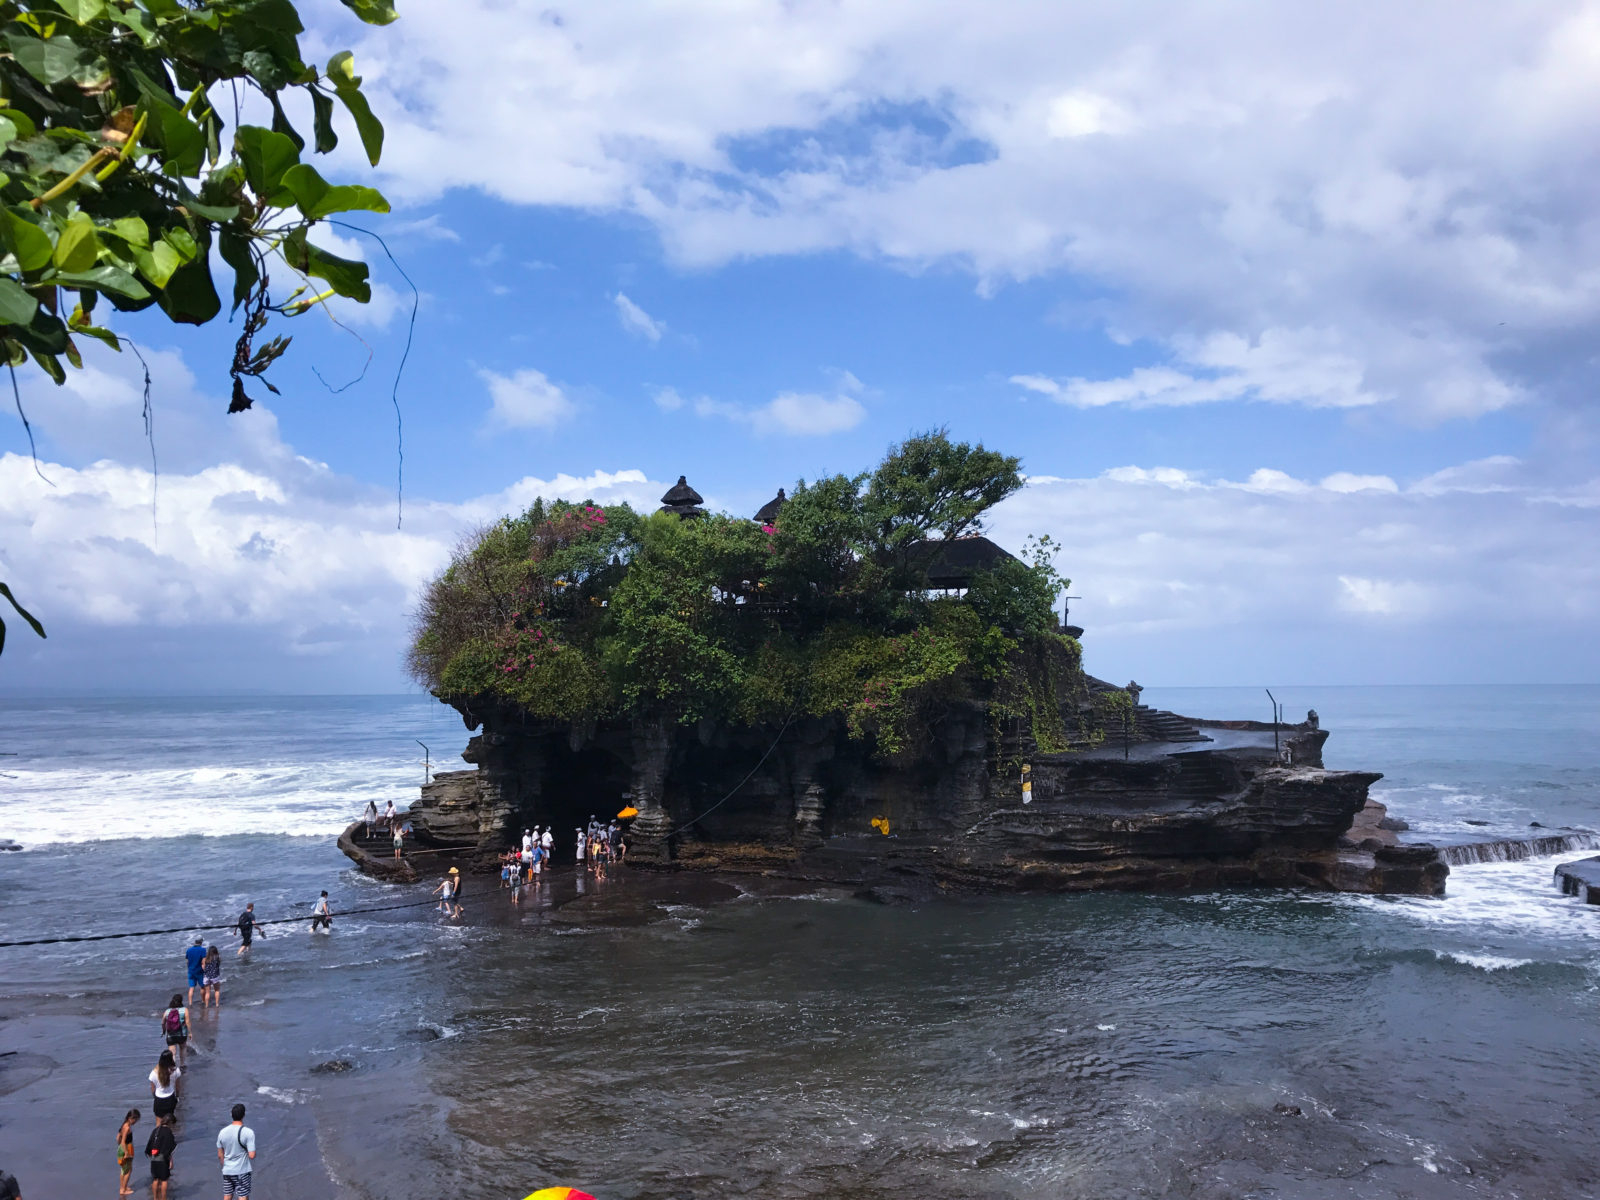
(905, 675)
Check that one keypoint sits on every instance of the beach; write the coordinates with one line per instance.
(660, 1037)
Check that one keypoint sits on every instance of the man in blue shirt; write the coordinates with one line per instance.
(195, 955)
(236, 1151)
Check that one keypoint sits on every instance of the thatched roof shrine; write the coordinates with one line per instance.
(683, 500)
(951, 563)
(768, 512)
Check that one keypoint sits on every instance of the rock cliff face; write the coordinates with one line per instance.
(1166, 811)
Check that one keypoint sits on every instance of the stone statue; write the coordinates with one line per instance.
(1133, 690)
(1312, 719)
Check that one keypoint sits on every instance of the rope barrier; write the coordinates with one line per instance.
(781, 730)
(107, 937)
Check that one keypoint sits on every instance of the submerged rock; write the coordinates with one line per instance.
(334, 1066)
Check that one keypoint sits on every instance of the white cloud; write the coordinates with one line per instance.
(1312, 187)
(636, 321)
(526, 399)
(795, 414)
(1187, 580)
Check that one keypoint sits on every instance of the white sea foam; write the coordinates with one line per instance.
(1484, 962)
(310, 799)
(281, 1095)
(1105, 1028)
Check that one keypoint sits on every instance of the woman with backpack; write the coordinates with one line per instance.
(175, 1025)
(166, 1085)
(125, 1151)
(211, 972)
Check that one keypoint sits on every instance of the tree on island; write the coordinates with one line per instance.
(577, 612)
(117, 179)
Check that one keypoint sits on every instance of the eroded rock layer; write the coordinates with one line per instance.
(1219, 806)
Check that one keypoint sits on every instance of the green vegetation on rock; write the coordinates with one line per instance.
(575, 612)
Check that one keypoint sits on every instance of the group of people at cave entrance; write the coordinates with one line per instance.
(598, 844)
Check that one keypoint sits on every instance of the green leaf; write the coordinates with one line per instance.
(21, 122)
(16, 306)
(183, 143)
(235, 251)
(50, 61)
(190, 297)
(111, 280)
(158, 263)
(373, 12)
(9, 132)
(342, 75)
(27, 241)
(83, 11)
(317, 198)
(77, 248)
(322, 108)
(343, 275)
(132, 230)
(280, 124)
(138, 22)
(266, 156)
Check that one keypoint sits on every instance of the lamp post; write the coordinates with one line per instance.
(427, 764)
(1277, 715)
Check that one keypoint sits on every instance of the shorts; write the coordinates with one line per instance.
(196, 979)
(177, 1039)
(237, 1185)
(164, 1106)
(213, 980)
(160, 1170)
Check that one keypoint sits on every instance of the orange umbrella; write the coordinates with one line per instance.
(560, 1193)
(628, 812)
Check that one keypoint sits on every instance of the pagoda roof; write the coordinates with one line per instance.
(768, 512)
(681, 495)
(952, 562)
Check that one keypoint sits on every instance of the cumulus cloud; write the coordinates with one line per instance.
(526, 399)
(1354, 205)
(795, 414)
(636, 321)
(1352, 579)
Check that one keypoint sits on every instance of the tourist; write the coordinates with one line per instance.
(125, 1152)
(246, 925)
(371, 818)
(447, 891)
(322, 915)
(195, 956)
(390, 817)
(159, 1151)
(505, 871)
(166, 1085)
(527, 854)
(175, 1025)
(398, 836)
(236, 1151)
(211, 993)
(547, 840)
(582, 843)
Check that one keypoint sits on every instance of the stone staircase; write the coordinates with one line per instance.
(1161, 726)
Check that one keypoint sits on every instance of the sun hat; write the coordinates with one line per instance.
(454, 871)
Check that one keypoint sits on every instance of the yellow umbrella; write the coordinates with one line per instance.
(560, 1193)
(630, 811)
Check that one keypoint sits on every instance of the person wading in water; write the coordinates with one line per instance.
(246, 925)
(125, 1151)
(166, 1084)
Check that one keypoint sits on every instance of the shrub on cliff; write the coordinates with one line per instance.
(577, 611)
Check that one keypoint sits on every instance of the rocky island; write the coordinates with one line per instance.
(855, 686)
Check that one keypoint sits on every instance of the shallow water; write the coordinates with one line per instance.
(643, 1043)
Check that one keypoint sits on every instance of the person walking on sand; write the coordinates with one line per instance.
(166, 1085)
(175, 1025)
(211, 974)
(159, 1151)
(322, 915)
(236, 1151)
(195, 957)
(125, 1152)
(246, 925)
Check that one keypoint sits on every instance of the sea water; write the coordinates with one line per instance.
(671, 1040)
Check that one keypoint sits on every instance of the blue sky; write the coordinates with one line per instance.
(1289, 315)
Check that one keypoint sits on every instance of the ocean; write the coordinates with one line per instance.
(665, 1038)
